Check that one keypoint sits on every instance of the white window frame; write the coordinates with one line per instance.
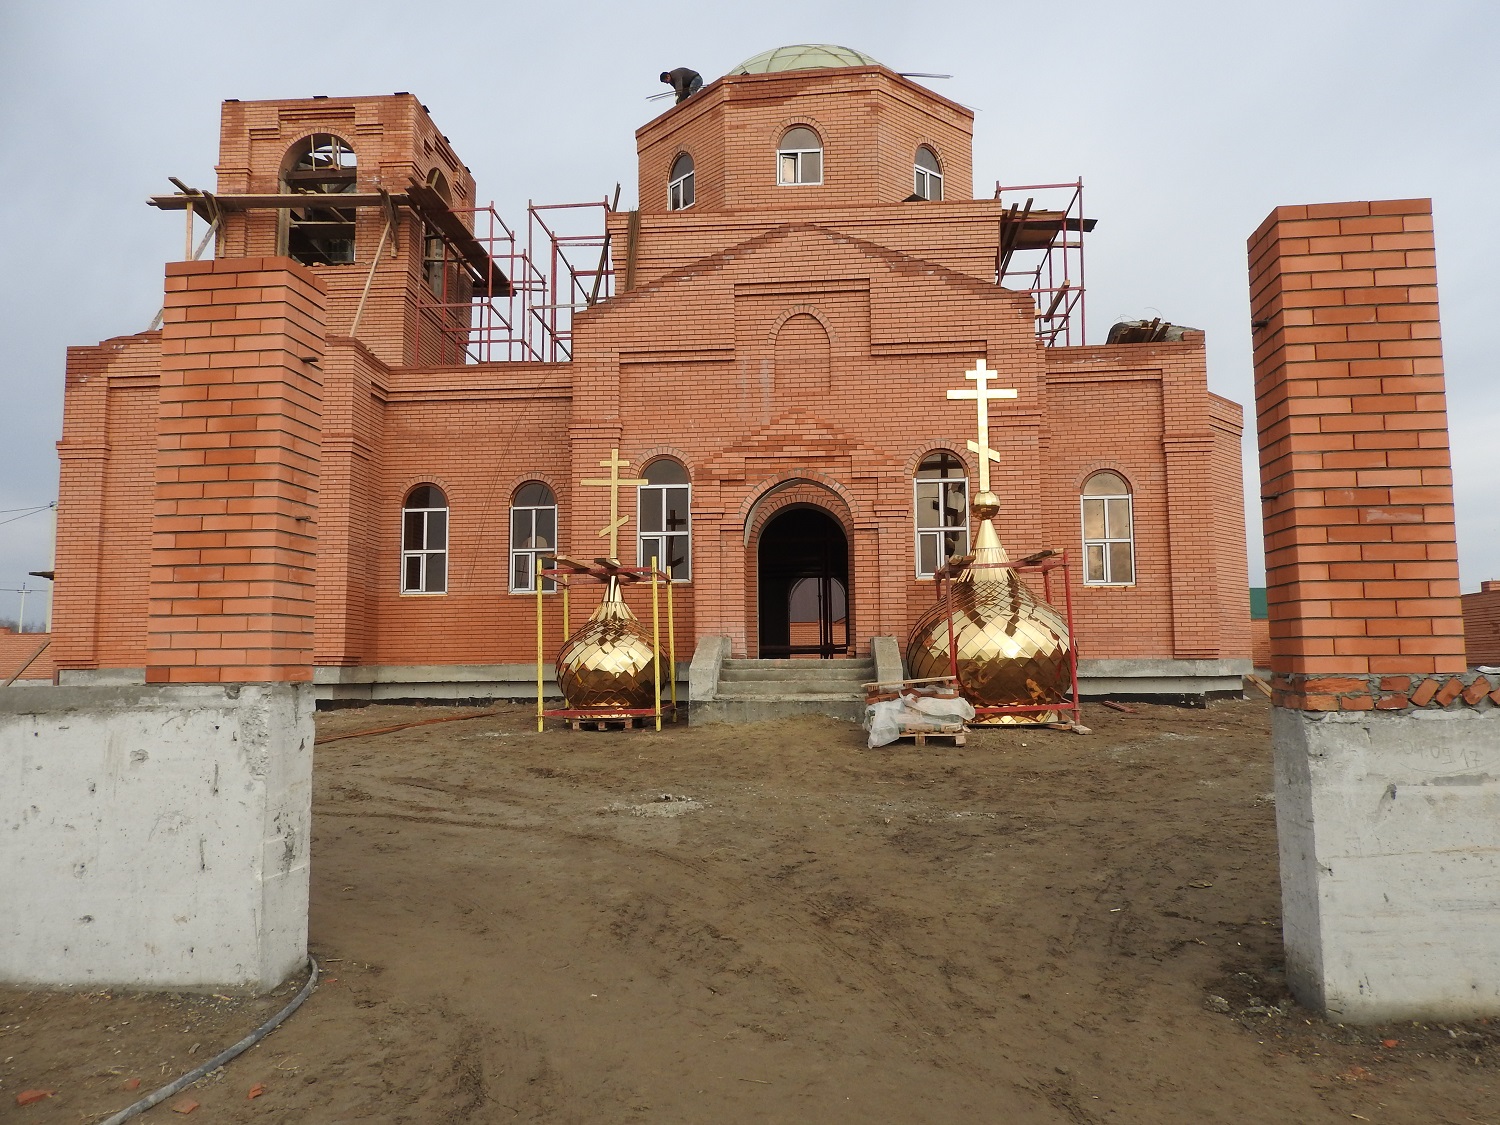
(940, 532)
(682, 186)
(532, 555)
(924, 178)
(424, 554)
(1102, 544)
(654, 543)
(797, 156)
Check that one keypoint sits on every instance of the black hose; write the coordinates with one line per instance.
(223, 1056)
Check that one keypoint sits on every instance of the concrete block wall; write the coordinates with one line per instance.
(156, 837)
(234, 520)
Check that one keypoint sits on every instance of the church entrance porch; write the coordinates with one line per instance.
(802, 582)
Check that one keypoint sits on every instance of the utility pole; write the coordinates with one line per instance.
(21, 615)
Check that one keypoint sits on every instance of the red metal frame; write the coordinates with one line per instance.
(1054, 275)
(550, 280)
(561, 575)
(1045, 567)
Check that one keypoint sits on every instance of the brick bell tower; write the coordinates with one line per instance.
(382, 216)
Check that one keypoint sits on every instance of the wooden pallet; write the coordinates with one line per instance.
(920, 737)
(622, 722)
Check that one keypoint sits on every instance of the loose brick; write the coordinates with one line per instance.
(1476, 691)
(1425, 693)
(1449, 692)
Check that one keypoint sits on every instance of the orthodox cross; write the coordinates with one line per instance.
(982, 394)
(615, 482)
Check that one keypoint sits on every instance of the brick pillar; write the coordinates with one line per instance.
(232, 587)
(1387, 815)
(1361, 558)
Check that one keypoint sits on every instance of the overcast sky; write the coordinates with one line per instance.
(1187, 121)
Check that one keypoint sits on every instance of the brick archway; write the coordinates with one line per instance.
(780, 499)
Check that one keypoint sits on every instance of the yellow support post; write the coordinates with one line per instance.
(541, 721)
(567, 626)
(656, 640)
(672, 646)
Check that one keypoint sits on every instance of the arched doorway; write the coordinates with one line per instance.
(803, 584)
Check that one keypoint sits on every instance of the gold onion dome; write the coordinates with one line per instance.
(1012, 646)
(803, 56)
(609, 661)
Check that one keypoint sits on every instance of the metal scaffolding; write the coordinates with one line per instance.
(562, 265)
(1041, 252)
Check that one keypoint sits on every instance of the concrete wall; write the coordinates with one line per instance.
(1389, 829)
(155, 836)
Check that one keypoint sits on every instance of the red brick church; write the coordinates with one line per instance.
(805, 275)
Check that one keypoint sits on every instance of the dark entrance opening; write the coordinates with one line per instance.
(803, 585)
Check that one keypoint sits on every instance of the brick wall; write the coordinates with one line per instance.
(233, 524)
(870, 121)
(1361, 559)
(107, 456)
(776, 352)
(395, 143)
(1482, 624)
(17, 648)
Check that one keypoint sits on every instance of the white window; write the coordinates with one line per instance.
(424, 541)
(533, 537)
(663, 524)
(1108, 534)
(928, 175)
(799, 157)
(941, 502)
(680, 184)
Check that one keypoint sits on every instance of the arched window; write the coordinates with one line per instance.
(1108, 532)
(320, 234)
(533, 537)
(435, 260)
(663, 523)
(928, 175)
(680, 184)
(941, 502)
(799, 157)
(424, 541)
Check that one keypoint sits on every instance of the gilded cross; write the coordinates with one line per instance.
(615, 482)
(982, 393)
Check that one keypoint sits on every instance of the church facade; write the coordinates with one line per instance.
(805, 276)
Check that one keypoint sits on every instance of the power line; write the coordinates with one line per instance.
(26, 512)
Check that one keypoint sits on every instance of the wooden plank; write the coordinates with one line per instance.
(16, 675)
(284, 201)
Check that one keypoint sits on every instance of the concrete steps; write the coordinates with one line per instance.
(752, 690)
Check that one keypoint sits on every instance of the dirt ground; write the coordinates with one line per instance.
(773, 923)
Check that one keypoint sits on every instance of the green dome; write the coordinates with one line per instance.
(803, 56)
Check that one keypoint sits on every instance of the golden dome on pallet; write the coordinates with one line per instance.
(1012, 648)
(609, 662)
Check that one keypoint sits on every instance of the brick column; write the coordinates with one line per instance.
(1387, 808)
(232, 586)
(1361, 558)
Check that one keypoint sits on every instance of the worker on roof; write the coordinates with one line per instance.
(685, 81)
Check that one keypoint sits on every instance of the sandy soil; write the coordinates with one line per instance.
(774, 924)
